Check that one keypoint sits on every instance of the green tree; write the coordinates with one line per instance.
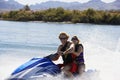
(67, 15)
(50, 15)
(5, 15)
(76, 16)
(90, 13)
(25, 16)
(12, 14)
(106, 17)
(59, 14)
(0, 15)
(84, 18)
(54, 15)
(39, 15)
(115, 19)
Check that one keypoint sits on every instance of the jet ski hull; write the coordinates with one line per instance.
(36, 67)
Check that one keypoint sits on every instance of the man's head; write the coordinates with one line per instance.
(63, 37)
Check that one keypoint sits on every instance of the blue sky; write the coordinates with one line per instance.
(39, 1)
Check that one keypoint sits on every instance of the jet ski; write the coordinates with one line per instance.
(39, 68)
(36, 67)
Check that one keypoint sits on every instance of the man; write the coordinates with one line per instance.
(63, 50)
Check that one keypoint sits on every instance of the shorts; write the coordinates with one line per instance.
(73, 67)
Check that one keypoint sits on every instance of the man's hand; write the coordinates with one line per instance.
(60, 52)
(70, 50)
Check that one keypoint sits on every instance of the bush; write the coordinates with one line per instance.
(61, 15)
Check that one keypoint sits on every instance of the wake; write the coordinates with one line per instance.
(88, 75)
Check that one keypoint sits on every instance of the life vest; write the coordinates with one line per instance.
(67, 58)
(80, 58)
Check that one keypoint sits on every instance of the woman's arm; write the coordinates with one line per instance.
(80, 50)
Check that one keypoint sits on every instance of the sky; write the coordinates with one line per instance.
(29, 2)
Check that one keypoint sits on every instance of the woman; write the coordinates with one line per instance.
(78, 54)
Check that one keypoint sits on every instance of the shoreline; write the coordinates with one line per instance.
(59, 22)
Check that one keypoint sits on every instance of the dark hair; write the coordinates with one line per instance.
(76, 38)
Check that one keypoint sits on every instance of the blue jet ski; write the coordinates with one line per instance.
(39, 68)
(36, 67)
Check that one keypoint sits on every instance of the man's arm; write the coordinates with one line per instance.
(70, 49)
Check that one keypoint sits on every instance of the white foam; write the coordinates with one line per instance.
(9, 63)
(104, 60)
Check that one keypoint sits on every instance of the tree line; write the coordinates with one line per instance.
(62, 15)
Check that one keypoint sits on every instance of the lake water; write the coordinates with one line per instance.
(21, 41)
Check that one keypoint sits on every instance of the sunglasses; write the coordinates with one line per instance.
(74, 39)
(62, 38)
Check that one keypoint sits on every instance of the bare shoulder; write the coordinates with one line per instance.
(59, 47)
(80, 46)
(69, 43)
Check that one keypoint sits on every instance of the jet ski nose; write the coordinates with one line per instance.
(35, 68)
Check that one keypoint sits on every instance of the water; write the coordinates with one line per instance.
(21, 41)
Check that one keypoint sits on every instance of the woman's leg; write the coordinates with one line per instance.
(81, 68)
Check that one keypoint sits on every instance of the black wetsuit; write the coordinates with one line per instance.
(67, 58)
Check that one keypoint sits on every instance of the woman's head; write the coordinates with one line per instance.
(75, 39)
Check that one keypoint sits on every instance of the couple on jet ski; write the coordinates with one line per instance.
(73, 62)
(72, 55)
